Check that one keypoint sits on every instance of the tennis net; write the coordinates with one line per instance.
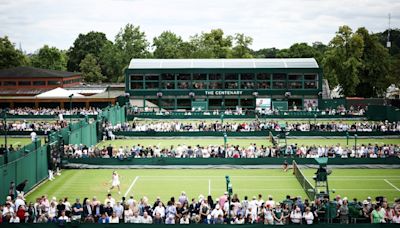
(305, 184)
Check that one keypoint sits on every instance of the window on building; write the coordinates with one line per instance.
(199, 85)
(183, 85)
(231, 85)
(151, 77)
(24, 83)
(295, 85)
(151, 85)
(295, 77)
(231, 102)
(182, 76)
(279, 76)
(56, 82)
(279, 84)
(215, 102)
(247, 102)
(230, 76)
(215, 85)
(200, 77)
(39, 83)
(247, 76)
(247, 85)
(310, 84)
(169, 103)
(264, 84)
(136, 85)
(213, 76)
(184, 103)
(9, 83)
(263, 76)
(167, 77)
(311, 77)
(168, 85)
(136, 77)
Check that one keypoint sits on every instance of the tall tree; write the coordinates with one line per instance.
(90, 43)
(91, 70)
(374, 71)
(132, 43)
(266, 53)
(343, 60)
(213, 44)
(297, 50)
(50, 58)
(168, 46)
(9, 55)
(242, 47)
(111, 62)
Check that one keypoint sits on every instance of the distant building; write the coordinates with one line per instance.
(209, 84)
(28, 81)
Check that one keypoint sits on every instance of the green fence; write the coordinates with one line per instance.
(114, 114)
(85, 134)
(381, 113)
(31, 166)
(96, 225)
(229, 161)
(251, 134)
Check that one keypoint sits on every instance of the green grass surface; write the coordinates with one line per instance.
(16, 141)
(166, 142)
(359, 183)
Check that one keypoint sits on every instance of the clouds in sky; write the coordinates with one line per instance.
(273, 23)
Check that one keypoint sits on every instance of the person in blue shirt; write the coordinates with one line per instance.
(104, 219)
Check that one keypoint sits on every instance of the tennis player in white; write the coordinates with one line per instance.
(115, 182)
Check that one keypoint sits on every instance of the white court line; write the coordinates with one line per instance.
(300, 189)
(209, 187)
(279, 177)
(392, 185)
(131, 186)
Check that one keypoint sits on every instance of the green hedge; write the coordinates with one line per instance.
(227, 161)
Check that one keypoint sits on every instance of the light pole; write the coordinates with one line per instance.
(108, 91)
(5, 136)
(225, 141)
(229, 190)
(70, 108)
(355, 142)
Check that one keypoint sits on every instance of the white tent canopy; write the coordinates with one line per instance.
(58, 93)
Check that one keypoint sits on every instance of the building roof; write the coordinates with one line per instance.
(59, 93)
(32, 72)
(222, 63)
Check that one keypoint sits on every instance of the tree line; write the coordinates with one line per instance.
(358, 61)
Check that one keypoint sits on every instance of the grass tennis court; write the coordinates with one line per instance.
(167, 142)
(165, 183)
(15, 141)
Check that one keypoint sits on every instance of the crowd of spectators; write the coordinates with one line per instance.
(31, 125)
(339, 110)
(233, 151)
(256, 125)
(53, 111)
(205, 210)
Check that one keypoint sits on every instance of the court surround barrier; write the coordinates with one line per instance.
(229, 161)
(31, 166)
(201, 115)
(31, 161)
(250, 134)
(97, 225)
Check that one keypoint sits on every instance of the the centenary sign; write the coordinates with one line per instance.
(224, 92)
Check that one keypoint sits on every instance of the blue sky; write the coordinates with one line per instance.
(271, 23)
